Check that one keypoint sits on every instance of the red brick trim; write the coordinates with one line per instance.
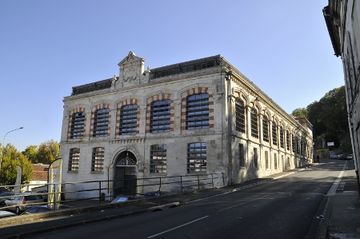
(71, 112)
(92, 119)
(129, 101)
(193, 91)
(149, 101)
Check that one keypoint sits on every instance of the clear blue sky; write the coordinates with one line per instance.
(48, 46)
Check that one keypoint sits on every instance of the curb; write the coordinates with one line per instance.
(164, 206)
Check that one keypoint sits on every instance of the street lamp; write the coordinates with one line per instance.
(3, 141)
(10, 132)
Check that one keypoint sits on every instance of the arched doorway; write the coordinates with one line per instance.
(125, 174)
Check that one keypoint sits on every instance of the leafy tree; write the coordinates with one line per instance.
(329, 118)
(48, 152)
(300, 112)
(31, 153)
(11, 158)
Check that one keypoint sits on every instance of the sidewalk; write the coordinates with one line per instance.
(342, 210)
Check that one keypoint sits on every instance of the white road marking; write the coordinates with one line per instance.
(243, 203)
(177, 227)
(284, 175)
(335, 185)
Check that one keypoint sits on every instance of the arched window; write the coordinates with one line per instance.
(160, 116)
(265, 128)
(101, 122)
(128, 119)
(281, 137)
(240, 116)
(77, 129)
(254, 123)
(274, 133)
(197, 111)
(287, 140)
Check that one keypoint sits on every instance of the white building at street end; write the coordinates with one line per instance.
(190, 118)
(343, 23)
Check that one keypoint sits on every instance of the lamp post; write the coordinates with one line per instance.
(3, 141)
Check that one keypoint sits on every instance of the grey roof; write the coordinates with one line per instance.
(98, 85)
(163, 71)
(184, 67)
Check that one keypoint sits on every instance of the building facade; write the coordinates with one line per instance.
(343, 23)
(196, 117)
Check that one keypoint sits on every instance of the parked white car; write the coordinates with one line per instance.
(18, 203)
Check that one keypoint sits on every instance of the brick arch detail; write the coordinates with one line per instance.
(156, 97)
(194, 91)
(129, 101)
(71, 112)
(92, 120)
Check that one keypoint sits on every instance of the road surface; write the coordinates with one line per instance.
(283, 208)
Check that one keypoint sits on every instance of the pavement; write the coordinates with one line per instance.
(339, 217)
(341, 214)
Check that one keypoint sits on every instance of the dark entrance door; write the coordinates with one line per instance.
(125, 174)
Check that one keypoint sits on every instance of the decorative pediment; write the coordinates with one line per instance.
(131, 70)
(130, 59)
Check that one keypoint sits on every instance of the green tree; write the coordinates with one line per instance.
(300, 112)
(48, 152)
(31, 153)
(329, 118)
(11, 158)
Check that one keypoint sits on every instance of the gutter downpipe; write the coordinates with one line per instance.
(229, 128)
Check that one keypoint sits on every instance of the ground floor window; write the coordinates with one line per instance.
(275, 161)
(74, 159)
(266, 159)
(196, 157)
(241, 155)
(158, 158)
(256, 163)
(97, 162)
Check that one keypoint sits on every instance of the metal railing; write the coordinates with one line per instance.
(86, 193)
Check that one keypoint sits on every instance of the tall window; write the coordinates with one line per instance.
(128, 119)
(266, 159)
(287, 140)
(97, 162)
(74, 159)
(254, 123)
(281, 137)
(256, 163)
(160, 116)
(158, 158)
(274, 134)
(275, 161)
(240, 116)
(265, 129)
(197, 111)
(77, 129)
(101, 122)
(293, 143)
(241, 155)
(196, 157)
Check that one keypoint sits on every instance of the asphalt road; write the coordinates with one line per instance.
(284, 208)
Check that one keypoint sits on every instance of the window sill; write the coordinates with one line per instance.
(73, 172)
(97, 172)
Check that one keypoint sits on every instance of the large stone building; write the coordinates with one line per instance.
(195, 117)
(343, 23)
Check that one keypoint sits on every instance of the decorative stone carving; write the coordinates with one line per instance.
(131, 70)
